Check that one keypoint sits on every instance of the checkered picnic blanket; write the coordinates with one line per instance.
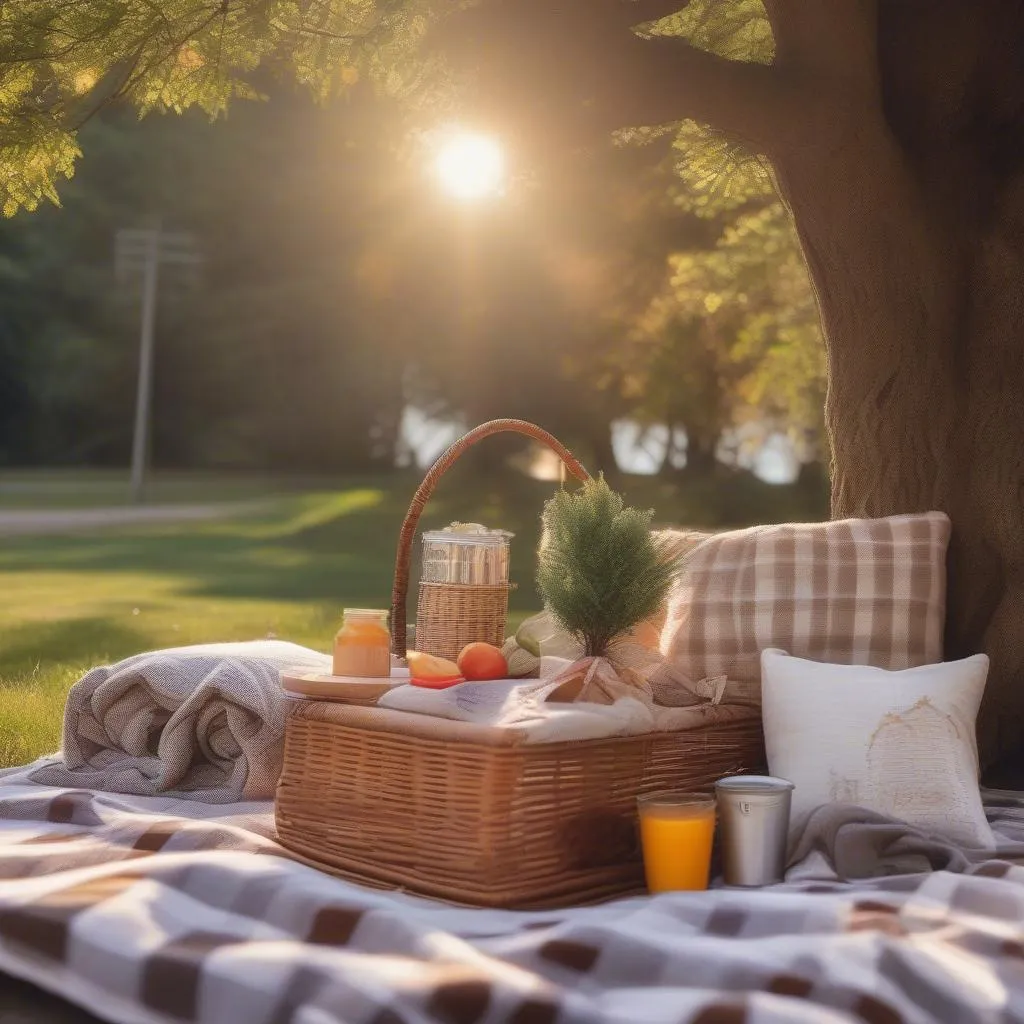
(144, 913)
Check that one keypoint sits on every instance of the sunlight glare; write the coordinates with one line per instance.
(470, 166)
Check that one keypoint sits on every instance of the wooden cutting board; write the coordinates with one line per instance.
(344, 689)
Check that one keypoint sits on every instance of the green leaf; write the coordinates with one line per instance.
(600, 571)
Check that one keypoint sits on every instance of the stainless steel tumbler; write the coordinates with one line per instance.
(753, 814)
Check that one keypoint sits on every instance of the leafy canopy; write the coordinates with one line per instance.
(62, 60)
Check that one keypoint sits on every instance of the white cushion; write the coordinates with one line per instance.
(900, 743)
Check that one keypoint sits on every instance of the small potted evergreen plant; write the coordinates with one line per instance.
(600, 573)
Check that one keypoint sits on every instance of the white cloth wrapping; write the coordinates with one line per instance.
(520, 704)
(202, 723)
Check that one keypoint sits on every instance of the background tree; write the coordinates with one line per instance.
(750, 290)
(711, 319)
(283, 198)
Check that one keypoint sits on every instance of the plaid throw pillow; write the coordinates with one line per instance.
(854, 592)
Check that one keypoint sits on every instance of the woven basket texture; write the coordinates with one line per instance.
(516, 825)
(450, 615)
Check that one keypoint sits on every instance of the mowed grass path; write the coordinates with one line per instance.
(70, 602)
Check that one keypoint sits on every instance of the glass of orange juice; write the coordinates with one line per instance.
(676, 832)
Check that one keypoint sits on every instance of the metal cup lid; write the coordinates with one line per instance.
(754, 785)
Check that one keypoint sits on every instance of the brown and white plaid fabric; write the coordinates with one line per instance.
(854, 591)
(147, 916)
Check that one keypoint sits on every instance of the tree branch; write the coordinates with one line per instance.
(670, 80)
(310, 30)
(174, 46)
(571, 72)
(828, 45)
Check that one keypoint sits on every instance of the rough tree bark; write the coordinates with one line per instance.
(908, 195)
(896, 132)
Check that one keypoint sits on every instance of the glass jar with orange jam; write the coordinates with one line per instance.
(362, 647)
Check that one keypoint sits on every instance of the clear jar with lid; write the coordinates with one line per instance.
(362, 647)
(466, 554)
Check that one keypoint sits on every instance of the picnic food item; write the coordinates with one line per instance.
(529, 634)
(541, 635)
(362, 647)
(464, 585)
(676, 831)
(482, 661)
(477, 814)
(521, 663)
(426, 666)
(436, 683)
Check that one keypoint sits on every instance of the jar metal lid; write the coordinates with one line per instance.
(468, 533)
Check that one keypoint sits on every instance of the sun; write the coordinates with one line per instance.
(470, 166)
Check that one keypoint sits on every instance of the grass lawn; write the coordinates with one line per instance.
(68, 602)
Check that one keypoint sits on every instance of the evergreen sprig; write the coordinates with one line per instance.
(600, 571)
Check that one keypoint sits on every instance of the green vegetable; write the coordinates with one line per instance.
(521, 663)
(542, 636)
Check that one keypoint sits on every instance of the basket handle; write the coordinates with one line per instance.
(441, 465)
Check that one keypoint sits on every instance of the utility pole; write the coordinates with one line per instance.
(144, 394)
(145, 250)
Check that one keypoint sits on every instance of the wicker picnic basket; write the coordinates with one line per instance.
(472, 814)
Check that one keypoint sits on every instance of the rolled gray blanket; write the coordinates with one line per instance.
(201, 723)
(843, 842)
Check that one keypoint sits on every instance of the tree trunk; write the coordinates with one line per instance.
(666, 468)
(812, 479)
(602, 452)
(701, 458)
(910, 213)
